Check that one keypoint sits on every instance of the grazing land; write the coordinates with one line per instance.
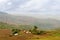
(28, 28)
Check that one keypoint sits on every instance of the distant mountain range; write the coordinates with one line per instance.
(26, 20)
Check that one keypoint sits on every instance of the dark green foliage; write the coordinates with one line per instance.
(42, 32)
(36, 31)
(14, 31)
(35, 27)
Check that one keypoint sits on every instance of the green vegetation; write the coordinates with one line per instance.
(25, 27)
(36, 33)
(6, 26)
(14, 31)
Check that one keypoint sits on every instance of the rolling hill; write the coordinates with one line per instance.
(26, 20)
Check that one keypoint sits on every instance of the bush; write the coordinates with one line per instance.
(37, 32)
(42, 32)
(14, 31)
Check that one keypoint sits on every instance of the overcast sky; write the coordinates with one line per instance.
(36, 8)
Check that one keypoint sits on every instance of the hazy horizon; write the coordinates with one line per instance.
(34, 8)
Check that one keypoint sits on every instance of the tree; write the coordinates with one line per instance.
(35, 31)
(35, 27)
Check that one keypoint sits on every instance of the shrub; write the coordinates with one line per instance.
(37, 32)
(14, 31)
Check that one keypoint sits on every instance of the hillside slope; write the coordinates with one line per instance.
(25, 20)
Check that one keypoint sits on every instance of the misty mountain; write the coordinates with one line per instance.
(26, 20)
